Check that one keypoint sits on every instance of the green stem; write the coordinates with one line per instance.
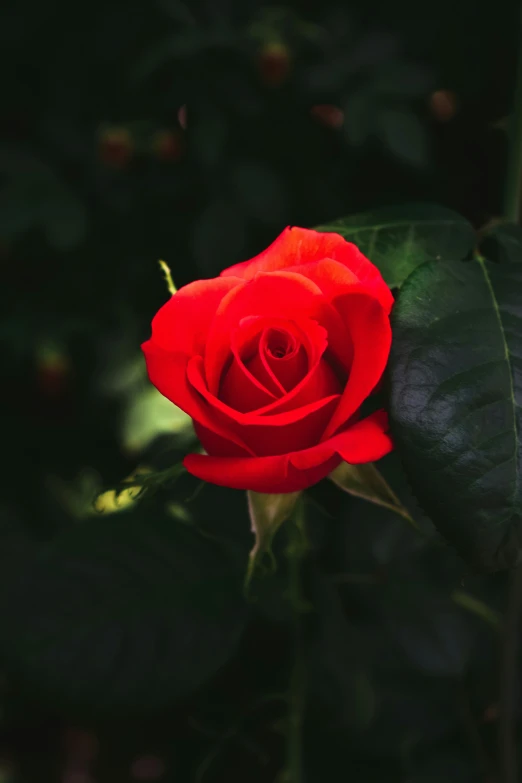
(296, 693)
(514, 170)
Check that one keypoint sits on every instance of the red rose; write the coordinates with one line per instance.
(273, 360)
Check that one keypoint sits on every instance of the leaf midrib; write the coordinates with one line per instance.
(394, 224)
(507, 355)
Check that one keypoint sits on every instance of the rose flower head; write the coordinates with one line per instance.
(273, 360)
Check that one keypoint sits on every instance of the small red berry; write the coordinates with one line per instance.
(274, 64)
(168, 145)
(53, 370)
(115, 147)
(328, 115)
(443, 105)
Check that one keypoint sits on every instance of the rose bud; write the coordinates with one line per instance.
(53, 370)
(115, 147)
(168, 145)
(274, 64)
(328, 115)
(443, 105)
(273, 361)
(182, 116)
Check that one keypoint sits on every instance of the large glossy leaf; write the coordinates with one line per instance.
(456, 391)
(400, 238)
(122, 615)
(503, 243)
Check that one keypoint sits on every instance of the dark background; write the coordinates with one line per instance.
(195, 132)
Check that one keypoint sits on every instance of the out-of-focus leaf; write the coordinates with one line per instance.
(177, 10)
(417, 606)
(338, 677)
(403, 79)
(123, 378)
(192, 41)
(456, 397)
(372, 49)
(359, 115)
(170, 48)
(18, 213)
(218, 236)
(398, 239)
(503, 243)
(445, 762)
(403, 134)
(260, 192)
(209, 136)
(64, 219)
(149, 414)
(477, 607)
(122, 615)
(35, 197)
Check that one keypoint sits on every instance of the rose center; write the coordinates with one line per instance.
(279, 344)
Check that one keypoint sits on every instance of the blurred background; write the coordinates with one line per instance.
(195, 132)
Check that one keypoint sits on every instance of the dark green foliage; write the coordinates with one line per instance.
(455, 402)
(398, 239)
(133, 625)
(122, 615)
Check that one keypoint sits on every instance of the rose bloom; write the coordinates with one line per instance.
(273, 360)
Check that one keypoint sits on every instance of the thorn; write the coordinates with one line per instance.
(168, 277)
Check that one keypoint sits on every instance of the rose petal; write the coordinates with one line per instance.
(321, 380)
(215, 444)
(278, 295)
(307, 333)
(301, 245)
(332, 277)
(290, 368)
(181, 324)
(291, 430)
(168, 372)
(365, 441)
(369, 327)
(241, 390)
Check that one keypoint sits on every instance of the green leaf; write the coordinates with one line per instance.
(172, 47)
(448, 760)
(365, 481)
(150, 414)
(477, 607)
(503, 243)
(400, 238)
(418, 610)
(456, 391)
(122, 615)
(358, 113)
(36, 196)
(403, 134)
(402, 79)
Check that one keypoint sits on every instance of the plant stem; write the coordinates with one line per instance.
(514, 170)
(296, 693)
(509, 681)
